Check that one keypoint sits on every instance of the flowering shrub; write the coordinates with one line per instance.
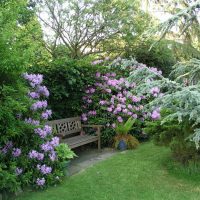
(30, 157)
(113, 99)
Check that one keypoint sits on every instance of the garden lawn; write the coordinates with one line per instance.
(132, 175)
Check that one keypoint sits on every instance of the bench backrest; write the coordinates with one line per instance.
(66, 126)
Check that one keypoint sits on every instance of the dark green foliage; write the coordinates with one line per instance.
(174, 135)
(66, 81)
(159, 56)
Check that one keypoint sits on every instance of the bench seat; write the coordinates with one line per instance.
(79, 140)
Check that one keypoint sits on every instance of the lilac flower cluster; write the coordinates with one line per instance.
(46, 114)
(32, 121)
(34, 95)
(42, 90)
(44, 169)
(156, 114)
(7, 147)
(36, 155)
(50, 145)
(18, 171)
(34, 79)
(155, 91)
(16, 152)
(155, 70)
(40, 181)
(39, 105)
(47, 148)
(43, 132)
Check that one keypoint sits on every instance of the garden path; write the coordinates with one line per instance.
(87, 158)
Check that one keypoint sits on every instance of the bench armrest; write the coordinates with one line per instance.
(92, 126)
(97, 127)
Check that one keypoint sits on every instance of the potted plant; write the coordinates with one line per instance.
(123, 140)
(64, 154)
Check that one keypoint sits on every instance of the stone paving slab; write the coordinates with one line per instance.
(88, 158)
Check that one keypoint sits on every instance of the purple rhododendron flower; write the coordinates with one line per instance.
(34, 79)
(40, 156)
(155, 91)
(32, 121)
(96, 62)
(39, 105)
(89, 101)
(7, 147)
(33, 154)
(42, 90)
(40, 181)
(136, 99)
(55, 141)
(119, 119)
(34, 95)
(46, 114)
(102, 102)
(109, 109)
(52, 156)
(43, 132)
(113, 125)
(92, 113)
(98, 74)
(135, 116)
(44, 169)
(130, 106)
(155, 115)
(92, 90)
(18, 171)
(84, 117)
(16, 152)
(47, 147)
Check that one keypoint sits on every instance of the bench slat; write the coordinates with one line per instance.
(79, 138)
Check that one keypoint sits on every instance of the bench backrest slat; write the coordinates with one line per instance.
(66, 126)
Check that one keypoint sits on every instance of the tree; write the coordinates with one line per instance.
(20, 38)
(86, 27)
(185, 17)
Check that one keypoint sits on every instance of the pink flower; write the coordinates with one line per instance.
(108, 90)
(113, 125)
(120, 120)
(155, 91)
(136, 99)
(109, 109)
(98, 74)
(130, 106)
(125, 111)
(118, 109)
(134, 116)
(92, 90)
(155, 115)
(129, 113)
(102, 102)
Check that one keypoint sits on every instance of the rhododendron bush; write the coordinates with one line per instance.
(113, 99)
(28, 151)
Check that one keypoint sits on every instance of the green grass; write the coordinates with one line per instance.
(140, 174)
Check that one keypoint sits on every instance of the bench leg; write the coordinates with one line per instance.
(99, 144)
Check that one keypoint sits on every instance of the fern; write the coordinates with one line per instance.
(126, 127)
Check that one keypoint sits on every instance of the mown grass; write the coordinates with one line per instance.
(143, 174)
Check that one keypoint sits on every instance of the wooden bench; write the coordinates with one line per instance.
(68, 128)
